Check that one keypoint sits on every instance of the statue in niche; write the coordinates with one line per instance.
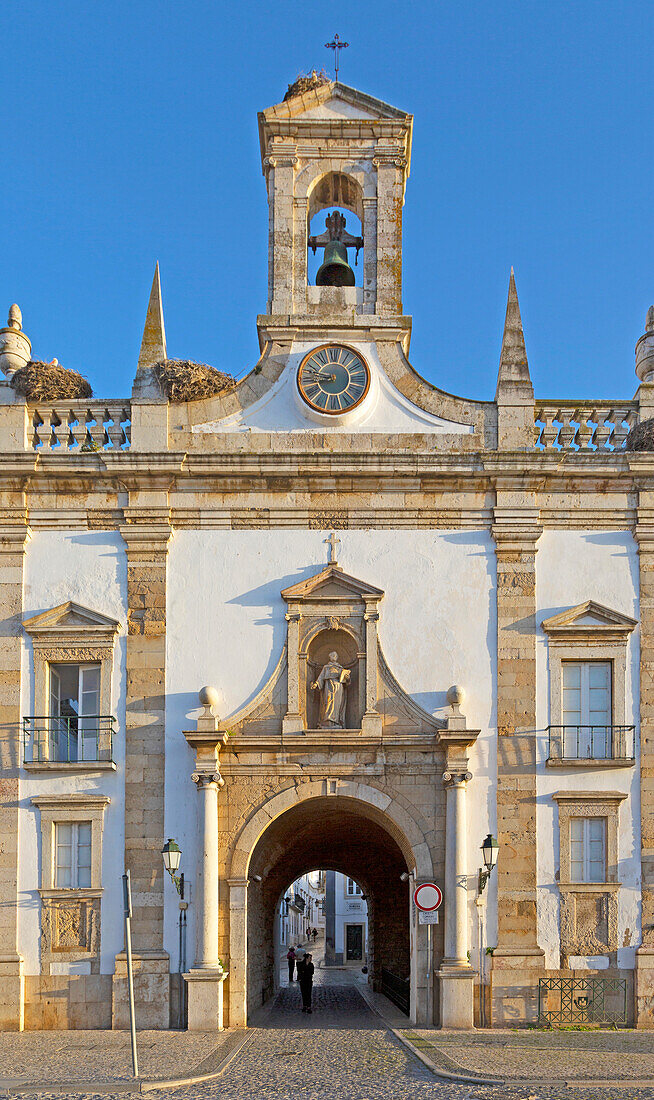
(332, 684)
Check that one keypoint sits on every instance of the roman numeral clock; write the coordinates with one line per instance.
(333, 379)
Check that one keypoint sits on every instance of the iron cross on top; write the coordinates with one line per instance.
(336, 45)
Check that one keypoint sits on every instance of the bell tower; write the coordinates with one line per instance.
(331, 148)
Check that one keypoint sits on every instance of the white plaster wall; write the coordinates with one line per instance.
(90, 568)
(226, 627)
(572, 567)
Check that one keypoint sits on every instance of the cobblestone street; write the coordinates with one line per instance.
(345, 1051)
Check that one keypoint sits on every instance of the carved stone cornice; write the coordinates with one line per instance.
(516, 528)
(14, 539)
(456, 741)
(146, 537)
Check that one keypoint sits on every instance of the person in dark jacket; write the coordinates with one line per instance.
(290, 958)
(300, 955)
(306, 983)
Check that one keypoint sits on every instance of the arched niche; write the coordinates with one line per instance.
(321, 645)
(335, 189)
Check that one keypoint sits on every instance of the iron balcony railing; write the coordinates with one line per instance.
(591, 742)
(69, 740)
(398, 990)
(582, 1001)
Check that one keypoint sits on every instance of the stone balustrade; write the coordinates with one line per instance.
(80, 425)
(583, 425)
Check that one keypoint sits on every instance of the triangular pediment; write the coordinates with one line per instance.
(589, 616)
(71, 617)
(333, 101)
(331, 583)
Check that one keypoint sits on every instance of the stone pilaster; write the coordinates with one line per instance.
(205, 979)
(390, 197)
(456, 975)
(517, 955)
(12, 549)
(147, 548)
(645, 955)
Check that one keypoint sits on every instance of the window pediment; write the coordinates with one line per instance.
(71, 619)
(589, 621)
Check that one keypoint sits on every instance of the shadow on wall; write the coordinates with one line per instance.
(268, 597)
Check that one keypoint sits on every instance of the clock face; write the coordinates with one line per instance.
(333, 379)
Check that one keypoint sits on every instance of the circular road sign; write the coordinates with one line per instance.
(427, 897)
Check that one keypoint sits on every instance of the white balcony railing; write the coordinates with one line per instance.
(583, 426)
(80, 426)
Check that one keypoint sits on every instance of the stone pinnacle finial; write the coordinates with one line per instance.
(513, 357)
(15, 348)
(645, 350)
(153, 343)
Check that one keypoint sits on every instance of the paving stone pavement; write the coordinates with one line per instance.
(343, 1051)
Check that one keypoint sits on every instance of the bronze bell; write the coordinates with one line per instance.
(335, 270)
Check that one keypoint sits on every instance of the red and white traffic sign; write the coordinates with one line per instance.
(427, 897)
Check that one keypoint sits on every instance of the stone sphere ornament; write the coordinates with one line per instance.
(209, 696)
(455, 695)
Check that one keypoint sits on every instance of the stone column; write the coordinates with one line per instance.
(292, 721)
(281, 169)
(206, 886)
(645, 953)
(517, 957)
(147, 539)
(300, 234)
(13, 541)
(456, 875)
(205, 979)
(238, 951)
(456, 975)
(390, 189)
(369, 254)
(371, 720)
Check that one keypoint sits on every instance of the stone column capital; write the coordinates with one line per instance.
(207, 779)
(456, 779)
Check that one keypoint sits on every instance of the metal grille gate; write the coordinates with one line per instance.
(582, 1000)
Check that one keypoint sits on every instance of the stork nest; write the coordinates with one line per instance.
(49, 382)
(305, 82)
(184, 380)
(641, 438)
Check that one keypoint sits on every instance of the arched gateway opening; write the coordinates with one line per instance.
(335, 832)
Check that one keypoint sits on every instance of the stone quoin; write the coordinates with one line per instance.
(469, 583)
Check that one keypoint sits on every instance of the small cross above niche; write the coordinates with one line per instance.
(333, 541)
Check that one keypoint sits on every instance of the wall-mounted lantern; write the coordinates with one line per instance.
(489, 850)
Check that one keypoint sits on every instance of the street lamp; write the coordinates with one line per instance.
(172, 854)
(489, 850)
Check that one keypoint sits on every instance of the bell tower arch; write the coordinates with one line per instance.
(332, 146)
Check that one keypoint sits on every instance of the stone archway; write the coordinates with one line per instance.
(349, 827)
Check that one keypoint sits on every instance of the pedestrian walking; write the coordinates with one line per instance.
(315, 934)
(306, 983)
(290, 958)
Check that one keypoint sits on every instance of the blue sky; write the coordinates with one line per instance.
(131, 135)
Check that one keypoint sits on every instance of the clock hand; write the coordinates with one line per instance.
(319, 376)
